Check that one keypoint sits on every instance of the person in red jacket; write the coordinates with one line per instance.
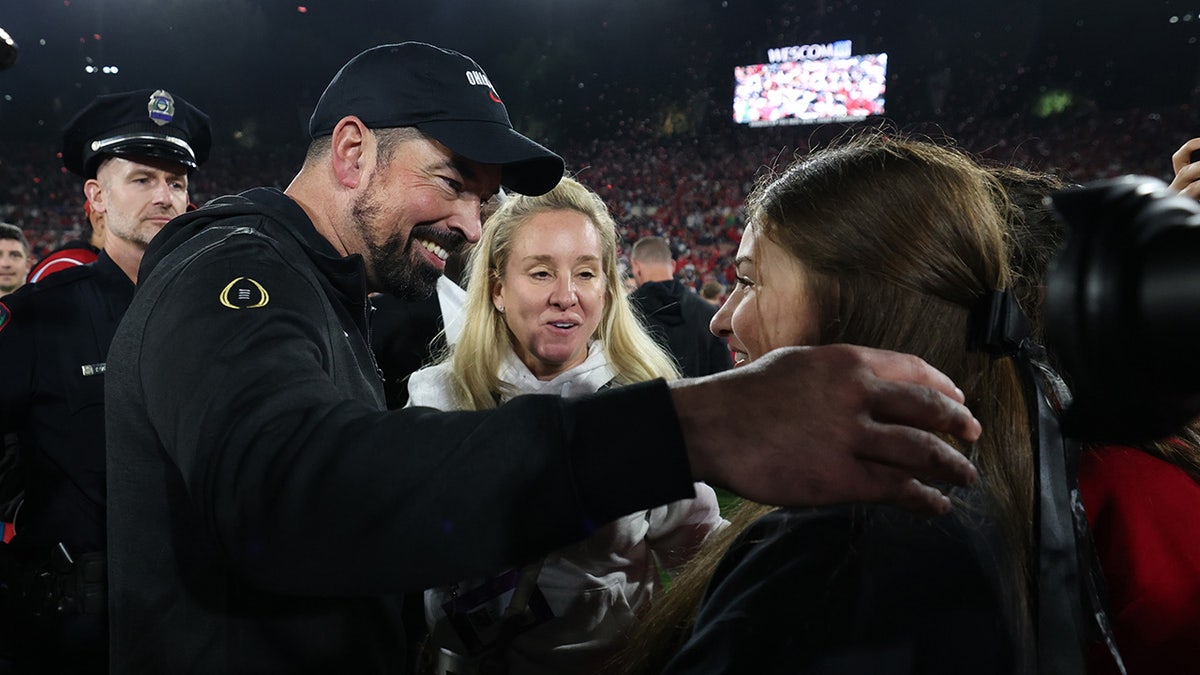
(76, 252)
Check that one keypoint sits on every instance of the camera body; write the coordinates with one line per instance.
(1122, 309)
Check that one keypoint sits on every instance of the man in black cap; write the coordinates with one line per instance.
(135, 151)
(266, 511)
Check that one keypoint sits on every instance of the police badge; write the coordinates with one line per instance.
(161, 107)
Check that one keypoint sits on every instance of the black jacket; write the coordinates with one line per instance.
(54, 339)
(264, 507)
(849, 590)
(405, 335)
(678, 319)
(53, 349)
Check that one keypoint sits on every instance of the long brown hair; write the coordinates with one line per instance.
(899, 239)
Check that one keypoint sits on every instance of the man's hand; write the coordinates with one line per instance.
(1187, 170)
(807, 426)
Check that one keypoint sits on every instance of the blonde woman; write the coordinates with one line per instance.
(545, 314)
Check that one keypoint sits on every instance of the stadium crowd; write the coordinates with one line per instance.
(685, 187)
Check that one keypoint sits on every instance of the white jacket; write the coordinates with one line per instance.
(594, 587)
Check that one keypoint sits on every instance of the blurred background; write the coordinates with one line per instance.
(636, 94)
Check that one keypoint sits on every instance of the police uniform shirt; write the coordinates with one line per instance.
(54, 338)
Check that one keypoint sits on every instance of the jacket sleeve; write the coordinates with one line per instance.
(297, 481)
(17, 357)
(677, 530)
(1149, 554)
(430, 387)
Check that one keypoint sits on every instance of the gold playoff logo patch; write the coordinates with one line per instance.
(244, 293)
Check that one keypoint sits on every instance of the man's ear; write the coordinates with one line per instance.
(95, 195)
(352, 145)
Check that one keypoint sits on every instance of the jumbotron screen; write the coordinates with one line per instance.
(814, 85)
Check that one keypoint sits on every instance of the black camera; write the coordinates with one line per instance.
(1122, 309)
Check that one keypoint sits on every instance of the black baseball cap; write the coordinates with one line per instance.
(445, 95)
(142, 123)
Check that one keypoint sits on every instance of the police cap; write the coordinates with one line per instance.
(445, 95)
(142, 123)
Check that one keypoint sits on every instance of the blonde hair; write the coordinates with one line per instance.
(475, 360)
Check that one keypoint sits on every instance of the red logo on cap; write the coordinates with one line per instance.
(494, 97)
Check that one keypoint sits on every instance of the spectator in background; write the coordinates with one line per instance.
(77, 251)
(628, 283)
(135, 151)
(14, 266)
(14, 258)
(546, 262)
(713, 292)
(676, 317)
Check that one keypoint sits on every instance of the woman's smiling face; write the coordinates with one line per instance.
(770, 306)
(552, 291)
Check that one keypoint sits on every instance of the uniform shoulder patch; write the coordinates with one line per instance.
(244, 293)
(5, 315)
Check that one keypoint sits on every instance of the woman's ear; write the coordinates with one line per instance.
(498, 295)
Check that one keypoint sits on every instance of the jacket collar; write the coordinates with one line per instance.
(516, 379)
(118, 289)
(346, 274)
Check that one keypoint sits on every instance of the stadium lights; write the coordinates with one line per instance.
(107, 70)
(8, 50)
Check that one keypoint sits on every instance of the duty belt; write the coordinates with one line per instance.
(66, 585)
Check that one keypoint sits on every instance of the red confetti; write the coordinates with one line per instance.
(95, 36)
(302, 9)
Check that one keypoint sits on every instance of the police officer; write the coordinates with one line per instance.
(135, 151)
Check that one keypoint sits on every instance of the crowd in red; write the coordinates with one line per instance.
(690, 189)
(684, 187)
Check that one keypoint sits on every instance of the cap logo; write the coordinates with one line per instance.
(479, 79)
(161, 107)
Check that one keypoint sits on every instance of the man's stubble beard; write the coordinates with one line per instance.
(391, 266)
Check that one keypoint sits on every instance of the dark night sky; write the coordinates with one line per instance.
(257, 67)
